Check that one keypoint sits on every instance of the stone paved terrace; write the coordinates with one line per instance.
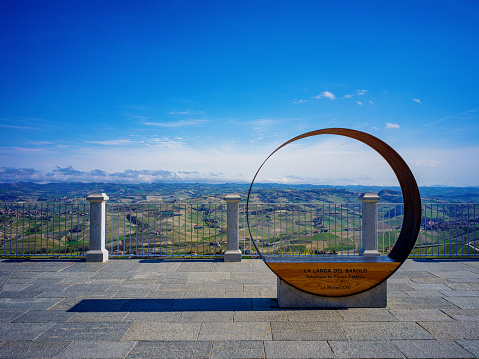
(211, 309)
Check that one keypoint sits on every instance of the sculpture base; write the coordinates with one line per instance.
(232, 255)
(96, 255)
(290, 297)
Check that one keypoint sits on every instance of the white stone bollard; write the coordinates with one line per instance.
(97, 251)
(232, 254)
(370, 224)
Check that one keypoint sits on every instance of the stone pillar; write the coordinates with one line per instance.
(97, 252)
(370, 224)
(232, 254)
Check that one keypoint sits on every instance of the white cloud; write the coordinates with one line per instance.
(391, 125)
(118, 142)
(427, 163)
(416, 100)
(326, 94)
(361, 92)
(359, 103)
(187, 112)
(299, 101)
(372, 103)
(180, 123)
(348, 96)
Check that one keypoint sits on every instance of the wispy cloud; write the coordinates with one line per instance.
(459, 116)
(180, 123)
(117, 142)
(348, 96)
(391, 125)
(416, 100)
(427, 163)
(299, 101)
(19, 127)
(359, 103)
(325, 94)
(186, 112)
(361, 92)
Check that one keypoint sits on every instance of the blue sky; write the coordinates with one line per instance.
(141, 91)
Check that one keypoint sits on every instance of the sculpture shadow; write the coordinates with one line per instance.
(175, 305)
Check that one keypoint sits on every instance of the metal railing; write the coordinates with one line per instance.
(181, 229)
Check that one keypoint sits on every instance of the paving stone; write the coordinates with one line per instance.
(92, 305)
(421, 303)
(463, 314)
(27, 303)
(235, 331)
(307, 331)
(414, 315)
(424, 294)
(384, 331)
(163, 331)
(460, 293)
(317, 315)
(471, 346)
(22, 331)
(237, 349)
(196, 266)
(32, 349)
(452, 330)
(366, 314)
(429, 286)
(165, 295)
(205, 294)
(265, 304)
(166, 317)
(261, 316)
(86, 331)
(464, 302)
(431, 349)
(79, 349)
(364, 349)
(243, 266)
(44, 316)
(297, 349)
(463, 286)
(455, 274)
(98, 317)
(202, 277)
(180, 287)
(203, 316)
(171, 350)
(7, 316)
(131, 294)
(15, 294)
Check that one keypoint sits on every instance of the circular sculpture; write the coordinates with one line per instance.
(337, 276)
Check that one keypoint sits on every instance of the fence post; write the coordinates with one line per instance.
(370, 224)
(97, 251)
(232, 254)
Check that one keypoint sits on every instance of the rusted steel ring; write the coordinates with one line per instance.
(411, 197)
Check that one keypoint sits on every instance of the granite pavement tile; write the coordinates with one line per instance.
(205, 294)
(171, 350)
(230, 349)
(364, 349)
(163, 317)
(166, 295)
(7, 316)
(235, 331)
(79, 349)
(196, 266)
(281, 349)
(163, 331)
(243, 294)
(429, 286)
(460, 293)
(212, 304)
(206, 316)
(464, 302)
(98, 317)
(414, 315)
(431, 349)
(471, 346)
(366, 314)
(131, 294)
(179, 287)
(308, 315)
(421, 303)
(44, 316)
(307, 331)
(464, 315)
(243, 266)
(455, 274)
(27, 303)
(147, 305)
(384, 331)
(32, 349)
(261, 316)
(86, 331)
(22, 331)
(452, 330)
(92, 305)
(19, 294)
(423, 294)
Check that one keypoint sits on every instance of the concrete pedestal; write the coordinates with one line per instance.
(232, 254)
(290, 297)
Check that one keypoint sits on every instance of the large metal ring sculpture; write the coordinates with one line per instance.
(385, 266)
